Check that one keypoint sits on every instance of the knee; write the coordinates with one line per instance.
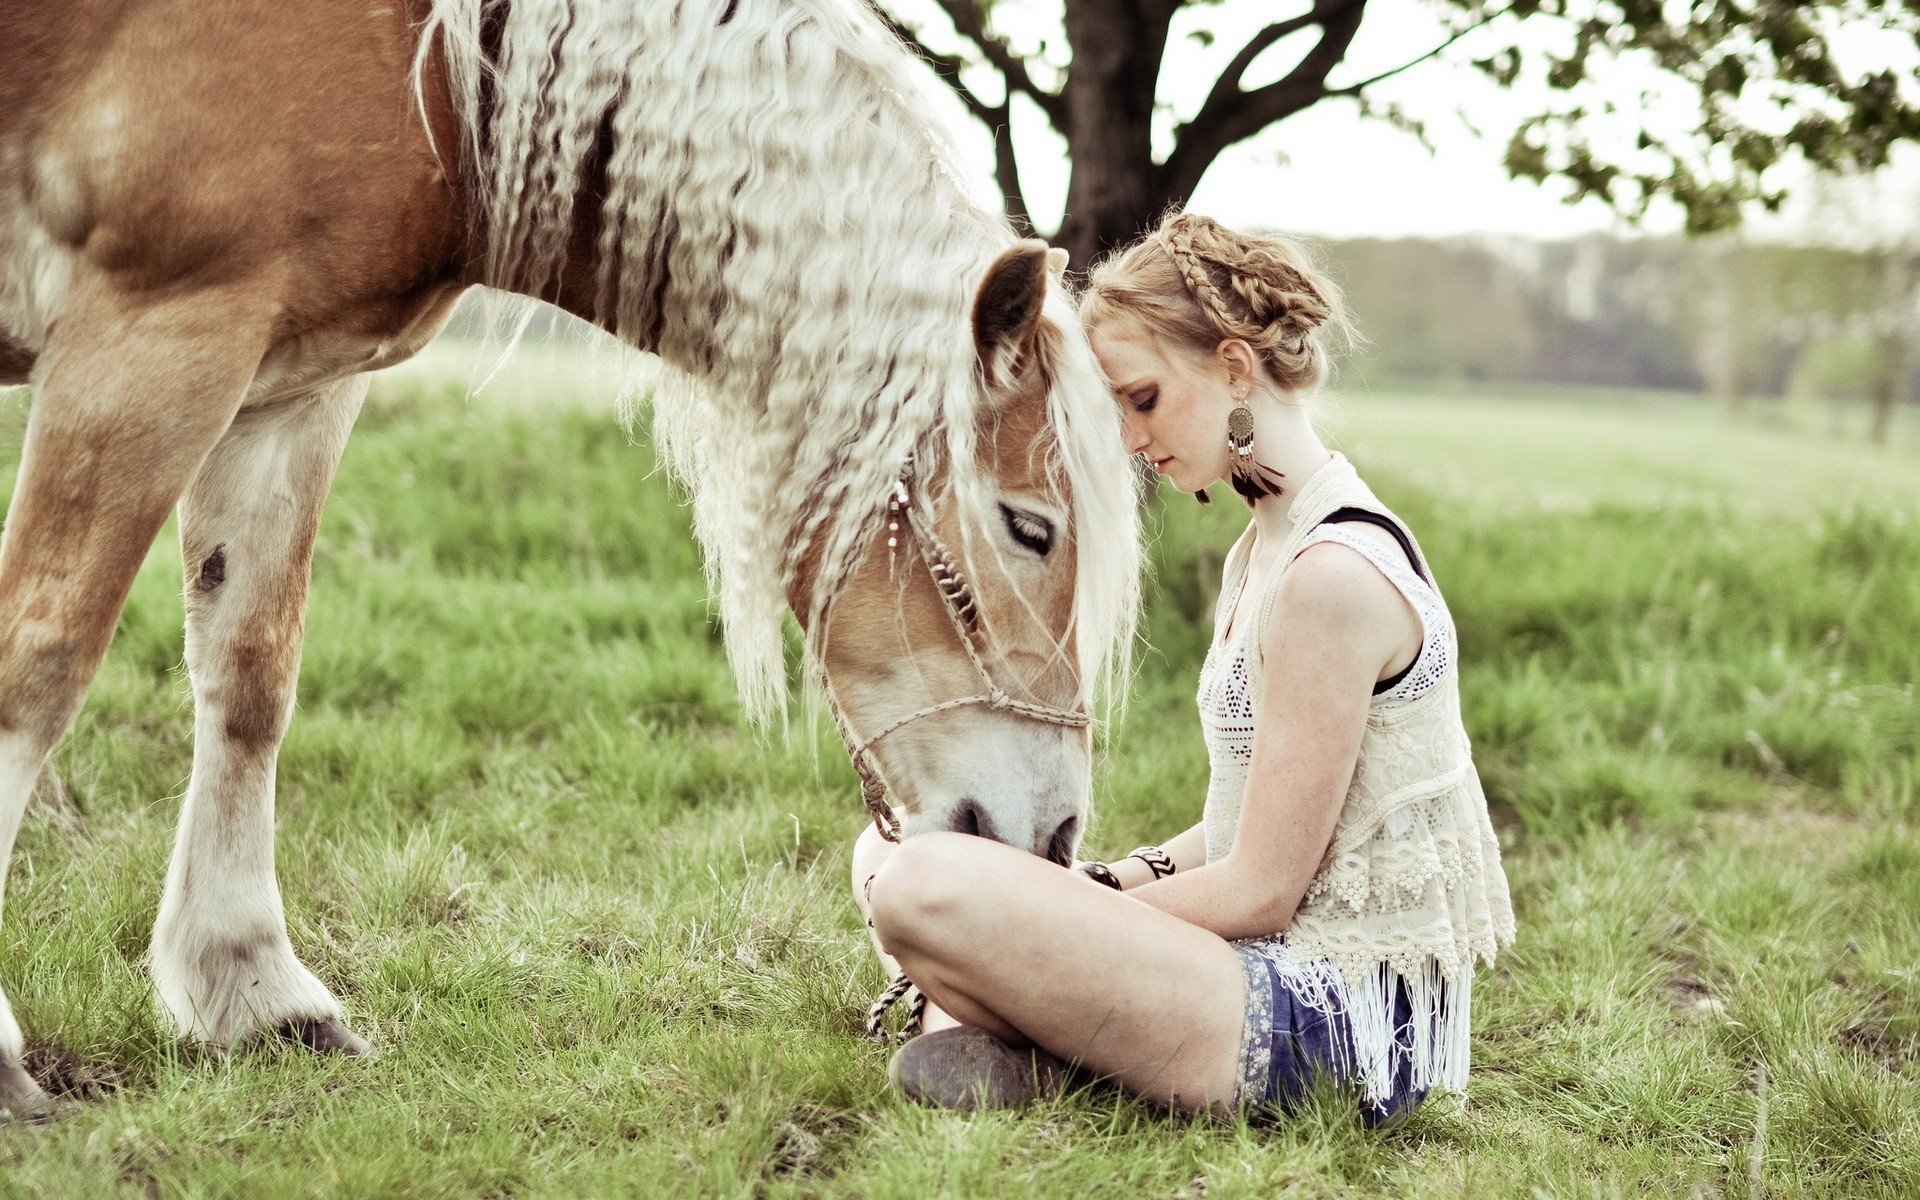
(931, 890)
(42, 674)
(870, 851)
(259, 700)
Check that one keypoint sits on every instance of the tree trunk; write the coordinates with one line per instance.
(1892, 359)
(1884, 392)
(1115, 191)
(1893, 340)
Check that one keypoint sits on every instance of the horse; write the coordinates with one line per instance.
(216, 218)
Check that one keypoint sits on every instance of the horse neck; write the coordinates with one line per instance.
(666, 182)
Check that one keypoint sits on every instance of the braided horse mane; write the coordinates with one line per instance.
(783, 223)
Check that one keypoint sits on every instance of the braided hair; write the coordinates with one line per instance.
(1200, 283)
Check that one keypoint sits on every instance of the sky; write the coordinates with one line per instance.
(1328, 171)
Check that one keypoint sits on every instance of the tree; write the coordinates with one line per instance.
(1763, 80)
(1875, 301)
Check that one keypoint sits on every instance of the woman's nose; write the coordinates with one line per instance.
(1135, 436)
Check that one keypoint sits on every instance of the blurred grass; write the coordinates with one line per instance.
(602, 930)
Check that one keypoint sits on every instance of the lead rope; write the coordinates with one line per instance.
(916, 1012)
(958, 603)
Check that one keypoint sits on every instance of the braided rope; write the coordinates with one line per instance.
(901, 986)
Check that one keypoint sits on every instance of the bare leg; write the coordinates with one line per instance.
(1018, 946)
(222, 963)
(132, 394)
(869, 853)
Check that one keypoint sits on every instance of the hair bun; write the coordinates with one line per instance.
(1274, 298)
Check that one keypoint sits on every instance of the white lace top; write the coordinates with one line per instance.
(1226, 699)
(1410, 893)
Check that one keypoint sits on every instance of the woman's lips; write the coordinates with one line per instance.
(1160, 464)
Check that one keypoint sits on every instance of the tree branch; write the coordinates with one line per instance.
(1006, 169)
(1354, 89)
(1229, 81)
(1232, 114)
(970, 22)
(946, 66)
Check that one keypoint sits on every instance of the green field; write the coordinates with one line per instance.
(601, 930)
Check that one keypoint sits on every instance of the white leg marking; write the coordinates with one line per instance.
(222, 964)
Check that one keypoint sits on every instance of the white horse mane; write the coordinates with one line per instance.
(784, 225)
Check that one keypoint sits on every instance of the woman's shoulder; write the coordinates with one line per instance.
(1337, 532)
(1330, 585)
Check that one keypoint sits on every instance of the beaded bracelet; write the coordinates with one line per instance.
(1101, 873)
(1158, 861)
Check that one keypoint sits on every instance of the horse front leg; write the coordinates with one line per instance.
(222, 963)
(131, 393)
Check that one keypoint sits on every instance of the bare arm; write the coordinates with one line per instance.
(1339, 624)
(1188, 850)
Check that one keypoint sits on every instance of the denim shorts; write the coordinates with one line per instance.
(1288, 1044)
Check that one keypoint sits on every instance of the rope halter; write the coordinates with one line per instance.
(963, 610)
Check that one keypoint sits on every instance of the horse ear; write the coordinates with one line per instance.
(1006, 312)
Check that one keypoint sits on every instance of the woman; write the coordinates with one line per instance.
(1325, 915)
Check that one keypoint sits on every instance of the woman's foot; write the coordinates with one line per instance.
(968, 1068)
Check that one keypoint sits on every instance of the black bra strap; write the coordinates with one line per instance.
(1399, 535)
(1374, 518)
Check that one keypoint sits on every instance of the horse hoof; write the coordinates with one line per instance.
(325, 1035)
(21, 1099)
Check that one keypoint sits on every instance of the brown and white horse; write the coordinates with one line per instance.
(216, 217)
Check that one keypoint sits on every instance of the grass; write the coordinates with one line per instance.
(603, 933)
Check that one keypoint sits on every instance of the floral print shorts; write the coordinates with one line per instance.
(1288, 1044)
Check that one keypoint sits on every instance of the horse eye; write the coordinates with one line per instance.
(1033, 532)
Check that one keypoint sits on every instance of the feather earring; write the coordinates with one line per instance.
(1250, 478)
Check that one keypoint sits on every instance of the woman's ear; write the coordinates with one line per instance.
(1240, 363)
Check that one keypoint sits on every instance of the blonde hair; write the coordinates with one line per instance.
(1196, 283)
(784, 223)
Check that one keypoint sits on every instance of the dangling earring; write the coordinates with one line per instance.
(1251, 479)
(1202, 496)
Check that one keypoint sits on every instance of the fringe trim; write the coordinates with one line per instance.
(1435, 1040)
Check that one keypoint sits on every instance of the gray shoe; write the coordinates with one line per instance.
(968, 1068)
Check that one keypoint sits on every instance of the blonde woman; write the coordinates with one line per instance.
(1325, 915)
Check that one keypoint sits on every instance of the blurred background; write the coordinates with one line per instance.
(1712, 199)
(1638, 285)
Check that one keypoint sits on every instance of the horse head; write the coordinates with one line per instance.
(952, 646)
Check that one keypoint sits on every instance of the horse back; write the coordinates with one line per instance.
(162, 144)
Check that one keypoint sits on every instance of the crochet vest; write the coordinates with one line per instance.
(1410, 891)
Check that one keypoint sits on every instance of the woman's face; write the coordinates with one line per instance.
(1173, 411)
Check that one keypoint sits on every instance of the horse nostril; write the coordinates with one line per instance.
(971, 818)
(1061, 846)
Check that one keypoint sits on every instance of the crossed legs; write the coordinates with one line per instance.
(1013, 944)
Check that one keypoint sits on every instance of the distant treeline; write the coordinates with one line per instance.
(1736, 319)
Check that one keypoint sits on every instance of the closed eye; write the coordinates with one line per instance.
(1031, 530)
